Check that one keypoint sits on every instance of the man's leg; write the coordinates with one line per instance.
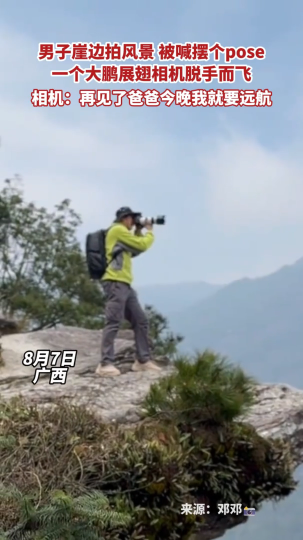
(138, 320)
(116, 295)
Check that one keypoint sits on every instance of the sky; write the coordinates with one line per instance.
(229, 180)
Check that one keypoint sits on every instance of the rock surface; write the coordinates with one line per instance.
(278, 411)
(115, 399)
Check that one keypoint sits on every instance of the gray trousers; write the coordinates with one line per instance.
(122, 303)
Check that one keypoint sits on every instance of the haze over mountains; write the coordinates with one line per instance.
(255, 322)
(170, 299)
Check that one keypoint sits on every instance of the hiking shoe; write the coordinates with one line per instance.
(146, 366)
(107, 371)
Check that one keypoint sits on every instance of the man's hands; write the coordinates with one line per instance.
(138, 228)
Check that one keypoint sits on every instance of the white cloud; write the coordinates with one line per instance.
(95, 158)
(34, 130)
(18, 56)
(71, 153)
(249, 185)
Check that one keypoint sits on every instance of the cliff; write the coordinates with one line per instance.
(278, 411)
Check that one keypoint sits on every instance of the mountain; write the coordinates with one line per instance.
(259, 324)
(173, 298)
(255, 322)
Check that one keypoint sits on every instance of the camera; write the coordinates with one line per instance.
(159, 220)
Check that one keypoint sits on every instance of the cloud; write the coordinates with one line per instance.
(85, 155)
(250, 185)
(150, 159)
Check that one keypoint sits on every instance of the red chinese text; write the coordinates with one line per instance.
(132, 73)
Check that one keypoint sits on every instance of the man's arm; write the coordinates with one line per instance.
(134, 242)
(138, 232)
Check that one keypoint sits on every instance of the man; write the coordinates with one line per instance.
(121, 300)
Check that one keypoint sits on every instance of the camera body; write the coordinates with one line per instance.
(159, 220)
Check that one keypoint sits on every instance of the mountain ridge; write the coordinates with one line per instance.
(256, 322)
(171, 298)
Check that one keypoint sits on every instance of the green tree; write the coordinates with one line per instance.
(165, 342)
(43, 273)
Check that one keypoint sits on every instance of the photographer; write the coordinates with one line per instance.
(122, 243)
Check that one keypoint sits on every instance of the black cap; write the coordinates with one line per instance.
(125, 211)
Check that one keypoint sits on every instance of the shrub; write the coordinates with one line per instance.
(192, 443)
(207, 390)
(86, 517)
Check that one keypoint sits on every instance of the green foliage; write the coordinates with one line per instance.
(88, 516)
(44, 278)
(141, 471)
(165, 342)
(4, 219)
(145, 473)
(206, 390)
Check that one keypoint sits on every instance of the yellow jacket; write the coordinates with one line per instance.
(123, 244)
